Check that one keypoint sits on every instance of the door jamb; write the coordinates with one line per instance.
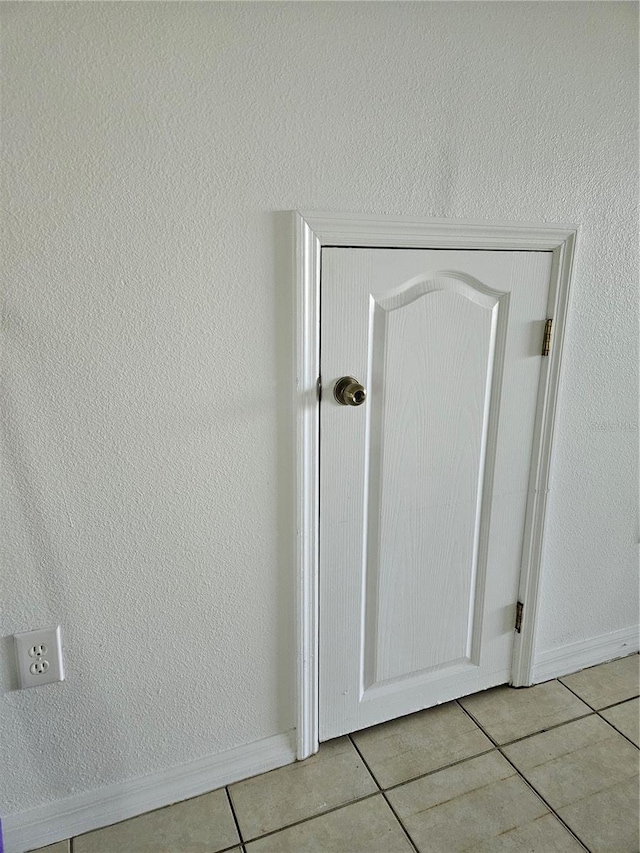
(312, 231)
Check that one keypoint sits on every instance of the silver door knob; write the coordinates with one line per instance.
(349, 392)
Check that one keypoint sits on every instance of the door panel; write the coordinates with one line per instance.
(419, 552)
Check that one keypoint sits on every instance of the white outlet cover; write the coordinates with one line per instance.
(39, 657)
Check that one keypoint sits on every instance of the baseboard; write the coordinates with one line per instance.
(93, 809)
(575, 656)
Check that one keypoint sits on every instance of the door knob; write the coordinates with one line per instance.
(349, 392)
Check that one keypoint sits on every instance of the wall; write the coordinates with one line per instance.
(147, 337)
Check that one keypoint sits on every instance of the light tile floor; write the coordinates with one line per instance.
(546, 769)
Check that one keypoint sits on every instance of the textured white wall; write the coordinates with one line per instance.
(148, 448)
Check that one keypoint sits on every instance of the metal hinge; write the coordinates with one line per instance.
(546, 340)
(519, 609)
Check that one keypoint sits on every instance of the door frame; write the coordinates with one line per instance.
(312, 232)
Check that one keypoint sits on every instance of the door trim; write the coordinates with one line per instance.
(312, 231)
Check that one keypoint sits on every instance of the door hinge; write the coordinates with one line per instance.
(319, 388)
(546, 340)
(519, 609)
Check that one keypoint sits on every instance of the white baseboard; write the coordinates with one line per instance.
(575, 656)
(93, 809)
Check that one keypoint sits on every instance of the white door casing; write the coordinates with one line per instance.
(482, 308)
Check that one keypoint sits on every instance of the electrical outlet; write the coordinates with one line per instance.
(39, 657)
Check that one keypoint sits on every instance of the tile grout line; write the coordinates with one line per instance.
(622, 734)
(604, 707)
(616, 704)
(311, 817)
(384, 796)
(547, 804)
(526, 781)
(235, 819)
(540, 731)
(439, 769)
(397, 817)
(590, 713)
(233, 846)
(598, 711)
(364, 761)
(577, 697)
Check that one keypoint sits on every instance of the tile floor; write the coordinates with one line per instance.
(548, 768)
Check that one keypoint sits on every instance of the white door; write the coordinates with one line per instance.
(424, 486)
